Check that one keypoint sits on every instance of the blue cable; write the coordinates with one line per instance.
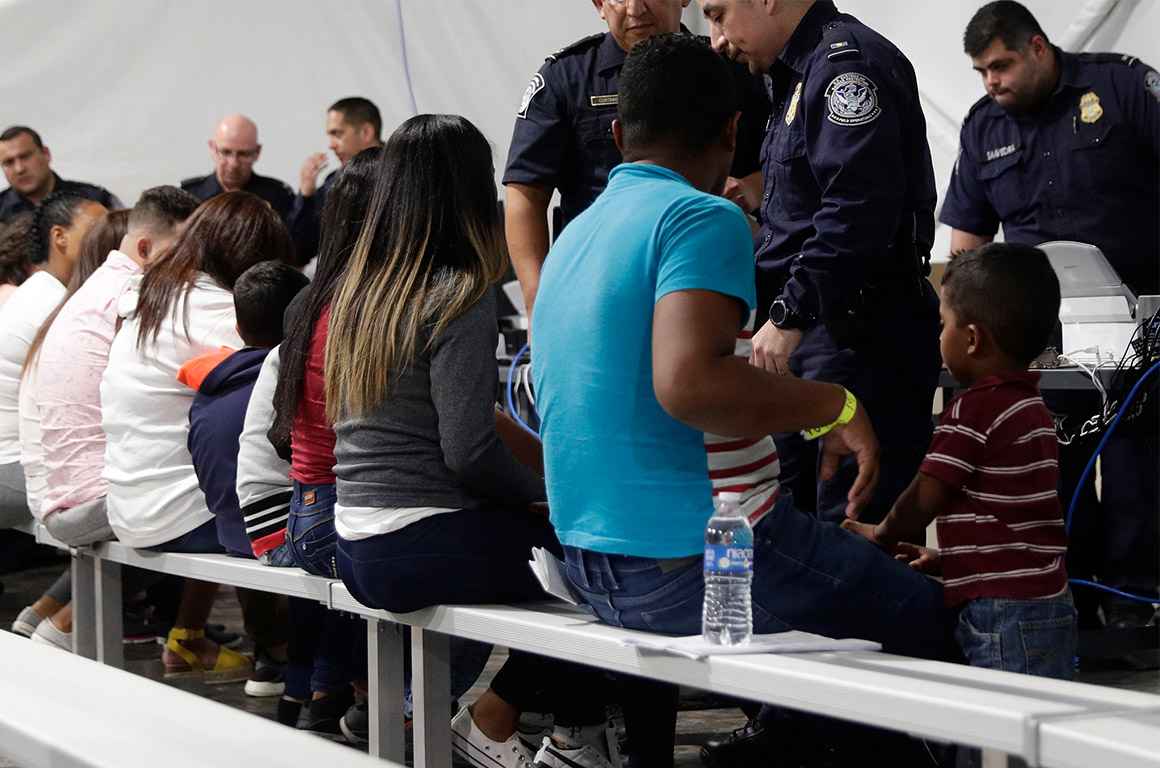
(1091, 465)
(510, 404)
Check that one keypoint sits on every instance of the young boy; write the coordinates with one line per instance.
(991, 474)
(224, 381)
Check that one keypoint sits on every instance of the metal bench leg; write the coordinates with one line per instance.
(993, 758)
(431, 695)
(109, 622)
(385, 690)
(84, 605)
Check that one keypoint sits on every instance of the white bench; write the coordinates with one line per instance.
(1002, 713)
(62, 711)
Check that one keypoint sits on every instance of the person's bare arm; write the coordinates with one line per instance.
(528, 450)
(526, 225)
(966, 241)
(699, 381)
(922, 501)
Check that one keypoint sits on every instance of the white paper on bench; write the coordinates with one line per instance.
(696, 647)
(550, 573)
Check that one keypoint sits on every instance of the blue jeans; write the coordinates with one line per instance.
(310, 528)
(808, 575)
(1034, 637)
(202, 540)
(281, 556)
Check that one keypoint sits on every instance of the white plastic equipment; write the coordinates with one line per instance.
(1096, 308)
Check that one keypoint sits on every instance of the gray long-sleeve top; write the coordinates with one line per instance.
(432, 442)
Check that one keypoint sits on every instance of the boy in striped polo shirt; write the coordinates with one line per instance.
(991, 474)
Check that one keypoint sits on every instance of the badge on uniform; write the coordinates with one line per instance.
(1152, 83)
(853, 99)
(530, 92)
(791, 113)
(1089, 107)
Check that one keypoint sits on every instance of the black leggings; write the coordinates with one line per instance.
(472, 557)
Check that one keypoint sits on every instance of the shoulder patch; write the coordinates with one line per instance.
(1152, 83)
(852, 99)
(534, 87)
(581, 44)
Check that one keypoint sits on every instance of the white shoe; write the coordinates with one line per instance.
(473, 746)
(27, 622)
(47, 634)
(552, 755)
(533, 727)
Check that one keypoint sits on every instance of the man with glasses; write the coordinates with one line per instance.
(234, 149)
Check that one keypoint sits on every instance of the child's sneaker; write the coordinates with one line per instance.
(26, 622)
(47, 634)
(355, 724)
(533, 727)
(552, 755)
(268, 678)
(473, 747)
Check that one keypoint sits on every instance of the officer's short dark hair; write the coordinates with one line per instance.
(674, 88)
(17, 131)
(161, 209)
(359, 111)
(1004, 20)
(1009, 289)
(261, 296)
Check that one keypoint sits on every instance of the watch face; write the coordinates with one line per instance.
(778, 312)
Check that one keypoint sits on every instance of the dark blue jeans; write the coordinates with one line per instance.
(808, 575)
(1034, 637)
(202, 540)
(893, 373)
(310, 529)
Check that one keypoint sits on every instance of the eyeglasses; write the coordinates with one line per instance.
(241, 155)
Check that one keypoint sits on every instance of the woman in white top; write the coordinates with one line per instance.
(59, 224)
(180, 309)
(55, 604)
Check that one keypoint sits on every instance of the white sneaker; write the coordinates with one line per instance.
(474, 747)
(47, 634)
(552, 755)
(27, 622)
(533, 727)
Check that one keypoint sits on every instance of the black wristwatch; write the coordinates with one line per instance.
(784, 317)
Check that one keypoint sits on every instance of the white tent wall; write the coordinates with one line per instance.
(126, 92)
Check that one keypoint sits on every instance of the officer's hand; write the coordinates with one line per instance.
(308, 178)
(772, 347)
(855, 438)
(741, 193)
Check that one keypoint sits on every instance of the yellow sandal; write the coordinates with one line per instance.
(230, 666)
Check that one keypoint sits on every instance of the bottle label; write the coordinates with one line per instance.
(725, 560)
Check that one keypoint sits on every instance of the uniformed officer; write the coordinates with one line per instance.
(27, 165)
(234, 149)
(352, 125)
(563, 133)
(1067, 147)
(848, 224)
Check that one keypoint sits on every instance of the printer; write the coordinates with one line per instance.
(1096, 309)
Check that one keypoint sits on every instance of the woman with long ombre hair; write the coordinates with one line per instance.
(181, 308)
(432, 506)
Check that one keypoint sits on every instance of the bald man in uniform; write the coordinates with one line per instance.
(234, 149)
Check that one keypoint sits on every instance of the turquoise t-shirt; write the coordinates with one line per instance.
(623, 476)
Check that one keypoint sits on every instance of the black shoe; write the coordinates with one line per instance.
(323, 715)
(355, 724)
(268, 677)
(1127, 614)
(751, 744)
(223, 637)
(289, 711)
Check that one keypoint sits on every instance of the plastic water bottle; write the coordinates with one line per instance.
(727, 618)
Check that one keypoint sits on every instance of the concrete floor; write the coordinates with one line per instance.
(701, 718)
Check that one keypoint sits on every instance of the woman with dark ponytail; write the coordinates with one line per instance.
(54, 243)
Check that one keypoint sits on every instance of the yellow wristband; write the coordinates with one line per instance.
(849, 408)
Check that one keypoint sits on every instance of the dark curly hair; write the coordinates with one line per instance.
(15, 234)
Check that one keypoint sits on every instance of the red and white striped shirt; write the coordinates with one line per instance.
(747, 466)
(1003, 535)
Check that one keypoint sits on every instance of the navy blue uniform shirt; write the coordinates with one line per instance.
(276, 193)
(305, 220)
(1085, 167)
(12, 202)
(849, 187)
(563, 134)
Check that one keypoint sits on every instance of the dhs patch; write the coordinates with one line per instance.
(530, 92)
(852, 99)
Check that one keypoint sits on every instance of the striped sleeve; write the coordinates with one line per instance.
(957, 446)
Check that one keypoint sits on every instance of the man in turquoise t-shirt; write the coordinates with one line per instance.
(639, 307)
